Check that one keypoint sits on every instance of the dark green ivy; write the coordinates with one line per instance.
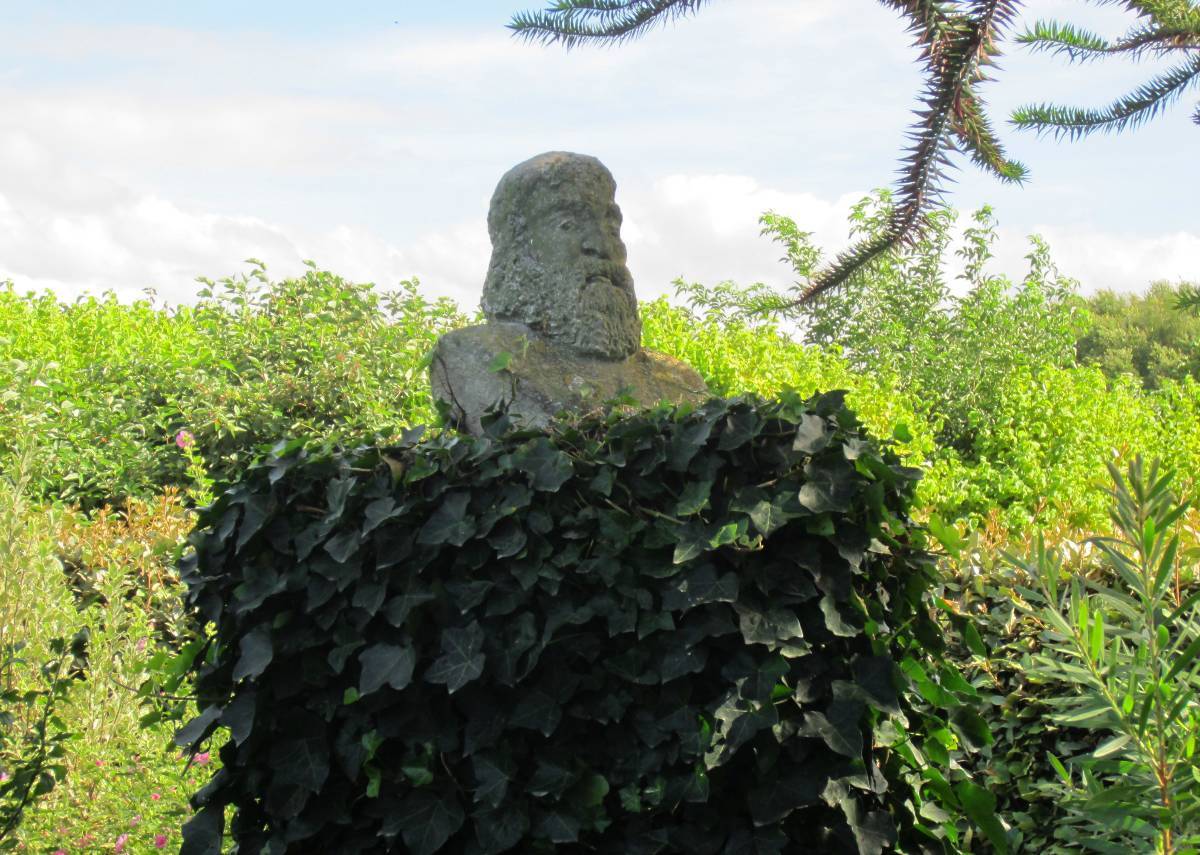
(701, 631)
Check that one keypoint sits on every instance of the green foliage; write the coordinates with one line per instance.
(950, 351)
(107, 387)
(32, 736)
(34, 678)
(1164, 28)
(1124, 653)
(681, 630)
(106, 579)
(1189, 297)
(1147, 335)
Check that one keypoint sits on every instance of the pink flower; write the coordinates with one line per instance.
(137, 819)
(202, 758)
(60, 852)
(160, 841)
(155, 797)
(121, 841)
(184, 439)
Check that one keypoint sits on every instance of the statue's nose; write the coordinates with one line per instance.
(593, 245)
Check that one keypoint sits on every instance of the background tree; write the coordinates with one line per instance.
(958, 41)
(1147, 335)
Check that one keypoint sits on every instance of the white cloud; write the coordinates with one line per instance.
(1123, 262)
(150, 156)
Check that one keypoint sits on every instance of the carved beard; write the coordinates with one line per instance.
(605, 323)
(589, 307)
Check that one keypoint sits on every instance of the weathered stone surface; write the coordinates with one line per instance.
(542, 379)
(562, 330)
(558, 262)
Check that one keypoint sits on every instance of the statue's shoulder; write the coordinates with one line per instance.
(473, 348)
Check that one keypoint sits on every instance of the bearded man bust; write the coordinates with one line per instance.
(562, 331)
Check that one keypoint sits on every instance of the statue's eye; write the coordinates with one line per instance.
(566, 225)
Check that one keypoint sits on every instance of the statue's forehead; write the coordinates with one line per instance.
(577, 204)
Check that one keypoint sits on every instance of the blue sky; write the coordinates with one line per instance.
(143, 144)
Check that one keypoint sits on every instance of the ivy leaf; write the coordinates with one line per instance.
(256, 653)
(301, 762)
(500, 830)
(196, 729)
(500, 362)
(450, 523)
(461, 660)
(692, 540)
(427, 820)
(239, 716)
(829, 487)
(875, 675)
(547, 467)
(256, 512)
(770, 516)
(552, 777)
(385, 664)
(740, 427)
(812, 434)
(202, 833)
(835, 621)
(508, 538)
(537, 710)
(342, 546)
(840, 727)
(698, 586)
(776, 799)
(557, 827)
(693, 498)
(493, 773)
(400, 607)
(764, 678)
(768, 627)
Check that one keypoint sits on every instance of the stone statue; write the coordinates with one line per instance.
(562, 330)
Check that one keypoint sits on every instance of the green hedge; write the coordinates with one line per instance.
(689, 631)
(97, 390)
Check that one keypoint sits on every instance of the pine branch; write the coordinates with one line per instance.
(951, 112)
(1083, 46)
(977, 138)
(1129, 111)
(573, 22)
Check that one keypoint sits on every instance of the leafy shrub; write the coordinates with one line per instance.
(1124, 652)
(114, 780)
(107, 386)
(903, 322)
(135, 545)
(1043, 702)
(699, 631)
(32, 736)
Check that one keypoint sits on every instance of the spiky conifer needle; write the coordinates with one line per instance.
(1167, 27)
(956, 48)
(957, 39)
(573, 22)
(1129, 111)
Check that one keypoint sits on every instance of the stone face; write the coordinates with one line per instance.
(558, 262)
(562, 330)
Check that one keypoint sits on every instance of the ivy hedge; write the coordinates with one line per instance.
(689, 630)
